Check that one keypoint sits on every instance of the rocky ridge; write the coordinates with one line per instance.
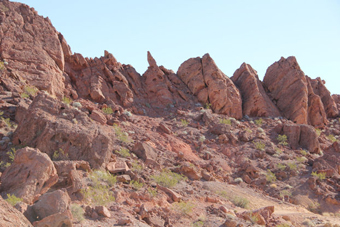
(193, 147)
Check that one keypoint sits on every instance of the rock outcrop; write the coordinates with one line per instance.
(31, 174)
(9, 216)
(255, 101)
(211, 86)
(287, 87)
(53, 126)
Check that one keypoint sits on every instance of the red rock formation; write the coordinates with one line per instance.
(9, 216)
(211, 85)
(255, 101)
(287, 87)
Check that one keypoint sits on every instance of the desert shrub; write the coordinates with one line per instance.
(253, 218)
(278, 151)
(198, 224)
(136, 184)
(314, 207)
(281, 166)
(207, 106)
(77, 212)
(259, 122)
(153, 192)
(303, 152)
(136, 167)
(318, 131)
(2, 66)
(283, 225)
(223, 194)
(301, 159)
(331, 138)
(270, 176)
(292, 166)
(320, 176)
(124, 152)
(7, 121)
(13, 200)
(259, 145)
(284, 193)
(225, 121)
(121, 136)
(67, 100)
(98, 193)
(202, 138)
(185, 208)
(282, 140)
(11, 154)
(107, 110)
(59, 155)
(240, 201)
(29, 91)
(167, 178)
(184, 122)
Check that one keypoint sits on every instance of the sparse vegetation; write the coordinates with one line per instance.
(136, 184)
(185, 208)
(240, 202)
(303, 152)
(124, 152)
(153, 192)
(259, 122)
(314, 207)
(167, 178)
(29, 91)
(270, 176)
(301, 159)
(259, 145)
(225, 121)
(2, 66)
(320, 176)
(282, 140)
(136, 167)
(253, 218)
(283, 225)
(11, 154)
(285, 193)
(77, 212)
(278, 151)
(98, 192)
(207, 106)
(107, 110)
(318, 131)
(281, 166)
(7, 121)
(13, 200)
(292, 166)
(198, 224)
(331, 138)
(121, 136)
(184, 122)
(67, 100)
(59, 155)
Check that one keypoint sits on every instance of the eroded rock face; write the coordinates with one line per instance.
(9, 216)
(255, 101)
(29, 38)
(31, 174)
(287, 87)
(211, 85)
(49, 126)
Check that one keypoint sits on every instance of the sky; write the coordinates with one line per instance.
(232, 32)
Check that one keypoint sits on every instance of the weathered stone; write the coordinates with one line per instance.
(9, 216)
(63, 219)
(145, 152)
(102, 211)
(98, 116)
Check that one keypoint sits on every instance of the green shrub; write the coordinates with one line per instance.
(13, 200)
(270, 176)
(107, 110)
(67, 100)
(318, 131)
(153, 192)
(282, 140)
(223, 194)
(121, 136)
(123, 152)
(281, 166)
(11, 154)
(314, 207)
(136, 185)
(29, 91)
(253, 218)
(292, 166)
(184, 122)
(167, 178)
(320, 176)
(301, 159)
(77, 212)
(278, 151)
(185, 208)
(136, 167)
(240, 202)
(198, 224)
(225, 121)
(259, 122)
(7, 122)
(259, 145)
(284, 193)
(59, 155)
(2, 66)
(331, 138)
(207, 106)
(303, 152)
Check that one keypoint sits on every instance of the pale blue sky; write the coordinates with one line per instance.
(232, 32)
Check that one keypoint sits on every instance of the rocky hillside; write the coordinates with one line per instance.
(91, 142)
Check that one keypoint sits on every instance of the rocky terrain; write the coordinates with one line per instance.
(91, 142)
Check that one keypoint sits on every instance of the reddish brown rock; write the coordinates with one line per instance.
(211, 85)
(287, 87)
(262, 215)
(255, 101)
(32, 38)
(320, 89)
(9, 216)
(98, 116)
(31, 174)
(49, 126)
(63, 219)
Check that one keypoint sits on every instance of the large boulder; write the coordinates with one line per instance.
(255, 101)
(31, 46)
(287, 87)
(56, 128)
(9, 216)
(211, 85)
(31, 174)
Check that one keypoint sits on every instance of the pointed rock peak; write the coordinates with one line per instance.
(151, 60)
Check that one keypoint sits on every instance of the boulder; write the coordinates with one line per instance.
(63, 219)
(255, 101)
(9, 216)
(145, 152)
(49, 126)
(262, 215)
(31, 174)
(286, 85)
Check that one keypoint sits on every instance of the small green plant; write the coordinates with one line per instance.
(99, 193)
(77, 212)
(282, 140)
(259, 122)
(122, 136)
(281, 166)
(285, 193)
(136, 184)
(136, 167)
(270, 176)
(253, 218)
(202, 138)
(2, 66)
(153, 192)
(278, 151)
(240, 202)
(283, 225)
(67, 100)
(13, 200)
(107, 110)
(320, 176)
(59, 155)
(292, 166)
(318, 131)
(198, 224)
(11, 154)
(225, 121)
(331, 138)
(259, 145)
(185, 208)
(303, 152)
(301, 159)
(124, 152)
(7, 122)
(29, 91)
(223, 194)
(207, 106)
(314, 207)
(184, 122)
(167, 178)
